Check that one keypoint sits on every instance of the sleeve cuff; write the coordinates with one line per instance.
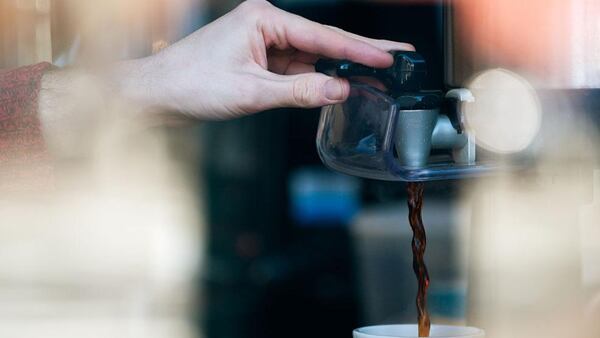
(24, 159)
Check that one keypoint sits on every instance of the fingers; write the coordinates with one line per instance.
(287, 30)
(305, 91)
(382, 44)
(311, 40)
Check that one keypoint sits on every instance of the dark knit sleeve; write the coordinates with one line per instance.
(24, 161)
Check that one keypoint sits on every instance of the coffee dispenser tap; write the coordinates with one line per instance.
(392, 129)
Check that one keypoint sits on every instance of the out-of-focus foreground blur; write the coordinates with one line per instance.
(236, 229)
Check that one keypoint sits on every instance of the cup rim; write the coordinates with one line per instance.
(470, 331)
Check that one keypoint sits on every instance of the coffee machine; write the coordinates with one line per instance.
(533, 235)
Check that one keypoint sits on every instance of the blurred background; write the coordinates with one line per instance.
(238, 230)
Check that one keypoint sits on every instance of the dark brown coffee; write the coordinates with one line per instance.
(419, 242)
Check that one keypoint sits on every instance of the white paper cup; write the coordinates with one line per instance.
(411, 331)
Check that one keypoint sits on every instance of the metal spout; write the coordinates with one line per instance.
(414, 129)
(419, 131)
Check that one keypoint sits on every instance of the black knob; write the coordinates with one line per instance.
(405, 75)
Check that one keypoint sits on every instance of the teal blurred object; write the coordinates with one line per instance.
(448, 300)
(319, 197)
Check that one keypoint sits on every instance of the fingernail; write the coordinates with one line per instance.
(334, 90)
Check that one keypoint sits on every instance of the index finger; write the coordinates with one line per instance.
(382, 44)
(312, 37)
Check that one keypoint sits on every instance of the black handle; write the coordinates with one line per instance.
(405, 75)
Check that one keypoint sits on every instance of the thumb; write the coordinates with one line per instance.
(309, 90)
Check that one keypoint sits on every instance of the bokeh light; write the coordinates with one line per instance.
(506, 114)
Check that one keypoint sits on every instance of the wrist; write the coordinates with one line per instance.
(134, 82)
(140, 84)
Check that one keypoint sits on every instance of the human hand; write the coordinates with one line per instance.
(256, 57)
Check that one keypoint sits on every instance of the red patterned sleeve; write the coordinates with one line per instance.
(24, 161)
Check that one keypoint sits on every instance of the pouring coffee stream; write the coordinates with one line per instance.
(419, 244)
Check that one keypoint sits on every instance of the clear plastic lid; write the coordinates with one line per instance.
(359, 137)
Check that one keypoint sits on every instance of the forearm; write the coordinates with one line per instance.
(75, 103)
